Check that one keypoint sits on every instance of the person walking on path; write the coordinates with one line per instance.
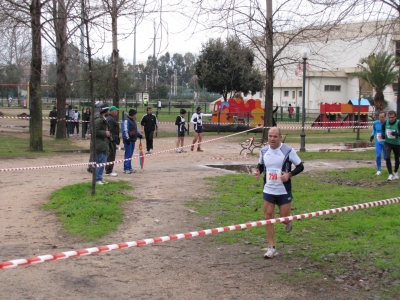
(276, 163)
(197, 120)
(379, 141)
(53, 120)
(102, 134)
(180, 129)
(130, 135)
(114, 139)
(391, 135)
(149, 124)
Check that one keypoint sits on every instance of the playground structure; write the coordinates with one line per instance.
(238, 111)
(341, 114)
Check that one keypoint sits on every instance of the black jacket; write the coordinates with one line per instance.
(149, 122)
(114, 129)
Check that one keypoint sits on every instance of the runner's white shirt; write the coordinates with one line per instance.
(273, 160)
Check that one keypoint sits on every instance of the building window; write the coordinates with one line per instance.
(332, 88)
(293, 95)
(300, 93)
(285, 93)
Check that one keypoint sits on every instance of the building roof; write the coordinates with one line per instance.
(364, 102)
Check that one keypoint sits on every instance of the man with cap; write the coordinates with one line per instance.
(114, 139)
(102, 135)
(197, 120)
(129, 135)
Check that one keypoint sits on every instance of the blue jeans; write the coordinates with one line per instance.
(129, 148)
(379, 147)
(101, 158)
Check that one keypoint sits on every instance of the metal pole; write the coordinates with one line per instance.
(303, 118)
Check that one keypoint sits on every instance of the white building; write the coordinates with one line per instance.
(333, 56)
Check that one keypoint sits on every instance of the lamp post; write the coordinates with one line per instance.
(304, 54)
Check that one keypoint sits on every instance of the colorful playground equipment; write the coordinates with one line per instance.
(237, 110)
(341, 114)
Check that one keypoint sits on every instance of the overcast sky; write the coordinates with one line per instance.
(180, 39)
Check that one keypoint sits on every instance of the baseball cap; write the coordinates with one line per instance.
(112, 108)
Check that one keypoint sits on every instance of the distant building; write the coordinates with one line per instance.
(333, 56)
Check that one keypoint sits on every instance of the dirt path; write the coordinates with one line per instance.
(186, 269)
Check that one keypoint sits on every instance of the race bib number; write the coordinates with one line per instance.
(379, 137)
(389, 134)
(274, 176)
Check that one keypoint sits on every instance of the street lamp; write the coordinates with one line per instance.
(304, 54)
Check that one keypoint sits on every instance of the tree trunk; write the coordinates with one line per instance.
(269, 80)
(115, 54)
(36, 127)
(60, 25)
(379, 101)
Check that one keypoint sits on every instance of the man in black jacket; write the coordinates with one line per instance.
(149, 125)
(114, 139)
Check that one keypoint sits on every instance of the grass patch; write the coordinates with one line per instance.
(88, 216)
(14, 145)
(367, 238)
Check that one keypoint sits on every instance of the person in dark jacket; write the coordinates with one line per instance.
(149, 125)
(114, 139)
(53, 121)
(102, 134)
(129, 136)
(273, 112)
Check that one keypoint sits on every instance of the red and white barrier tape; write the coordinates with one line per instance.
(94, 250)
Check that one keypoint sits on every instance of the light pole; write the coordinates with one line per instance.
(304, 54)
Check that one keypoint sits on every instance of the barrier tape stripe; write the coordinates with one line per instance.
(116, 161)
(94, 250)
(215, 123)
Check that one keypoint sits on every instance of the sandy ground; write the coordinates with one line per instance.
(185, 269)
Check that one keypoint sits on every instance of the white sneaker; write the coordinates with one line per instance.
(390, 178)
(127, 171)
(151, 151)
(396, 175)
(183, 150)
(113, 174)
(270, 253)
(104, 182)
(378, 173)
(178, 151)
(100, 182)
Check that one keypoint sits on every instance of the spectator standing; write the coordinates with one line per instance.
(197, 120)
(114, 139)
(70, 117)
(102, 135)
(379, 142)
(96, 111)
(159, 105)
(273, 112)
(53, 120)
(180, 129)
(10, 99)
(149, 124)
(86, 118)
(76, 118)
(290, 110)
(129, 136)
